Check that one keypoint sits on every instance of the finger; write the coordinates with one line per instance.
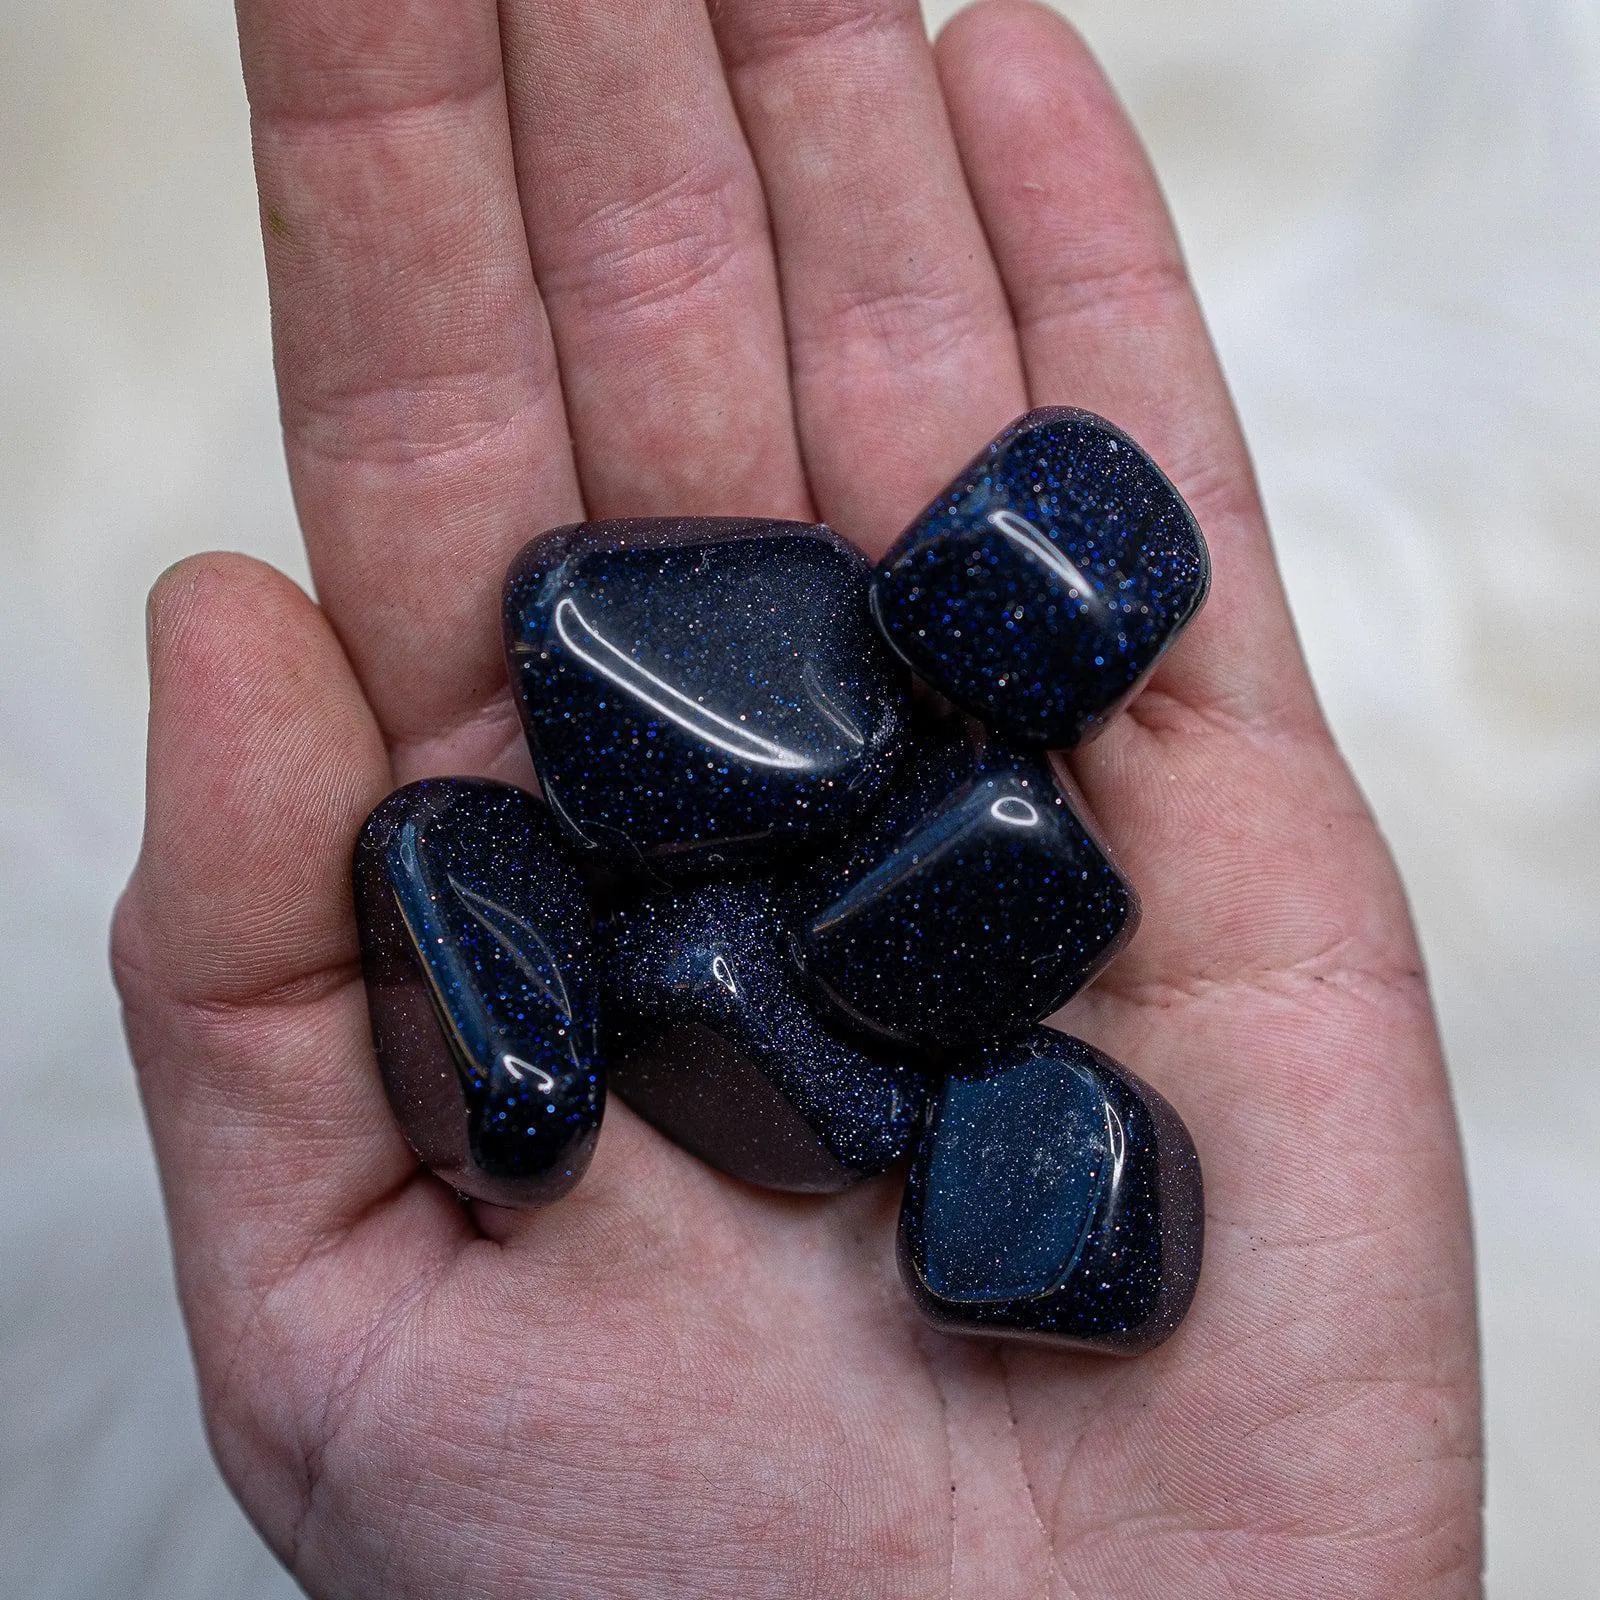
(1108, 320)
(235, 944)
(901, 344)
(649, 240)
(421, 404)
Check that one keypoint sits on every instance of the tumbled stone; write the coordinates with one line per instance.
(974, 902)
(1055, 1198)
(478, 951)
(712, 1041)
(1042, 586)
(701, 694)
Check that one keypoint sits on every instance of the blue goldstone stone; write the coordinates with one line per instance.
(712, 1041)
(478, 950)
(973, 903)
(1041, 587)
(1054, 1198)
(701, 694)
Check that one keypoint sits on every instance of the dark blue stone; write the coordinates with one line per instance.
(701, 694)
(712, 1041)
(1056, 1198)
(478, 950)
(1043, 585)
(973, 903)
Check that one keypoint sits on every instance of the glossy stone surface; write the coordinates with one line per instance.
(1043, 585)
(973, 903)
(713, 1042)
(701, 694)
(1055, 1198)
(478, 951)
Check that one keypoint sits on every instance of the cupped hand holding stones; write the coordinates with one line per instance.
(538, 265)
(702, 696)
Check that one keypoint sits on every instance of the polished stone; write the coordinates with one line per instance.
(1042, 586)
(973, 903)
(701, 694)
(1056, 1198)
(713, 1042)
(478, 951)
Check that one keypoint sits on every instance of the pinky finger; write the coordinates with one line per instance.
(1108, 320)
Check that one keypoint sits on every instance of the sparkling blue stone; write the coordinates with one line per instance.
(973, 903)
(1042, 586)
(1030, 1229)
(712, 1041)
(1056, 1198)
(477, 946)
(701, 694)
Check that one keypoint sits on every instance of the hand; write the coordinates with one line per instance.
(616, 259)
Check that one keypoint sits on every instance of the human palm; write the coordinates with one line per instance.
(626, 258)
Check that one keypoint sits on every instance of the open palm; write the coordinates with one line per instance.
(629, 257)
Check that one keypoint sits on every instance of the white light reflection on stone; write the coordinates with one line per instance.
(1015, 812)
(1034, 544)
(597, 652)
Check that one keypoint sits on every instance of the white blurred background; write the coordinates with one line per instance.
(1393, 211)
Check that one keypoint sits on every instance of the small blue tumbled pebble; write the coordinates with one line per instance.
(712, 1041)
(1055, 1197)
(974, 902)
(477, 946)
(701, 694)
(1042, 586)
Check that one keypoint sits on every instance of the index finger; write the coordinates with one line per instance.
(422, 406)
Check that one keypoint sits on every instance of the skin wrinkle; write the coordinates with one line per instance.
(694, 213)
(1104, 289)
(919, 325)
(1374, 980)
(1003, 1377)
(937, 1386)
(290, 994)
(282, 1285)
(386, 427)
(1214, 1561)
(330, 54)
(1265, 1557)
(1164, 712)
(488, 741)
(394, 119)
(698, 272)
(342, 1392)
(702, 1484)
(816, 25)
